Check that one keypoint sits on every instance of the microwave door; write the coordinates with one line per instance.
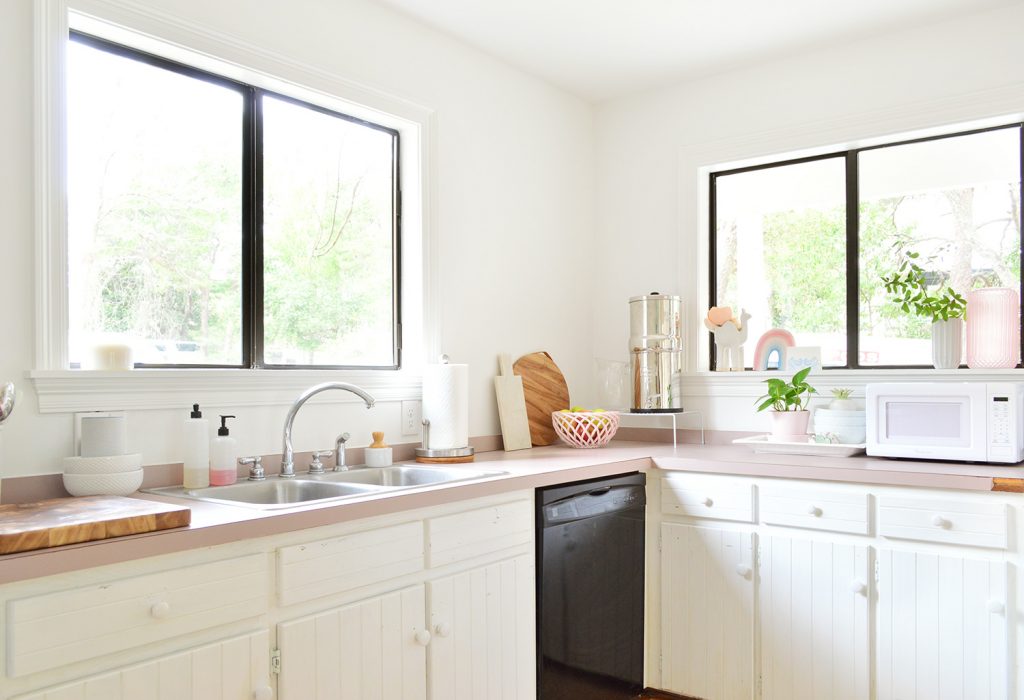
(932, 427)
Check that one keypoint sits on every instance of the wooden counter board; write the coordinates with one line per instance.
(60, 521)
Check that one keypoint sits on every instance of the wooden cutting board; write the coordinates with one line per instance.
(508, 389)
(58, 521)
(545, 391)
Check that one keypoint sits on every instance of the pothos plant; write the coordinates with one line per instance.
(787, 396)
(908, 289)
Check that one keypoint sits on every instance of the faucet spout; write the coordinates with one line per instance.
(287, 453)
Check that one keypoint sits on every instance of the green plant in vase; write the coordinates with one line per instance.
(947, 309)
(788, 401)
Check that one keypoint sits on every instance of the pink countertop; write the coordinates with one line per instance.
(214, 524)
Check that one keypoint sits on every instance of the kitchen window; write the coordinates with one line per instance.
(803, 244)
(215, 223)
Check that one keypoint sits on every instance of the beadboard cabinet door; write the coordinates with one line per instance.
(483, 644)
(815, 619)
(707, 607)
(942, 627)
(374, 649)
(234, 669)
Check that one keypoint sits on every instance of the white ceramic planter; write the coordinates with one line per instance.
(789, 426)
(947, 348)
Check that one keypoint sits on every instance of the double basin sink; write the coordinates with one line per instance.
(276, 492)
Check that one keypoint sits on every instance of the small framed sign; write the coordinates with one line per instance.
(797, 357)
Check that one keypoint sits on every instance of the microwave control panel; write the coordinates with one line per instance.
(1005, 409)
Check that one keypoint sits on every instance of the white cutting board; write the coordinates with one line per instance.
(508, 388)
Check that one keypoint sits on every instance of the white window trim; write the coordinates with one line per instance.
(61, 389)
(697, 161)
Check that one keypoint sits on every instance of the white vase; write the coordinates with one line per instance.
(789, 426)
(946, 343)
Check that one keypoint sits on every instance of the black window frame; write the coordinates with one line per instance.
(252, 283)
(852, 185)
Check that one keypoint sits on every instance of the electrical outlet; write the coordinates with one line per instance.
(412, 417)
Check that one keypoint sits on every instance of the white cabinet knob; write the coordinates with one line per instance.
(160, 610)
(264, 692)
(996, 607)
(743, 570)
(423, 637)
(814, 511)
(707, 502)
(858, 587)
(939, 521)
(442, 629)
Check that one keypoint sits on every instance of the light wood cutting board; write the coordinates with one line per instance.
(508, 389)
(59, 521)
(546, 392)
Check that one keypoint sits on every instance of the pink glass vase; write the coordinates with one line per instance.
(993, 328)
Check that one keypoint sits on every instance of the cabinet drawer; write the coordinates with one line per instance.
(949, 522)
(473, 533)
(338, 564)
(833, 510)
(52, 630)
(708, 497)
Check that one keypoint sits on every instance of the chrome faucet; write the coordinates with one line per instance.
(287, 454)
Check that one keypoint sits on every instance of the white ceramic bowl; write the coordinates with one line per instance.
(118, 484)
(102, 465)
(847, 426)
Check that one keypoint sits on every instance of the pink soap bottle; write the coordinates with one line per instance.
(223, 456)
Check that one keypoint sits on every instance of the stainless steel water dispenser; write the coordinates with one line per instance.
(656, 352)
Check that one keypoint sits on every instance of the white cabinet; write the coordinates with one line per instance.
(479, 643)
(234, 669)
(466, 622)
(942, 627)
(373, 649)
(860, 592)
(707, 625)
(483, 643)
(814, 621)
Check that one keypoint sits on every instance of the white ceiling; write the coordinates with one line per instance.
(600, 49)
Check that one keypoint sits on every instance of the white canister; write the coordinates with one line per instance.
(378, 454)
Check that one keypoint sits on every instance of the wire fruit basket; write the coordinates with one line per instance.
(585, 429)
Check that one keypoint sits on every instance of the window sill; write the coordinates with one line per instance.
(750, 383)
(70, 391)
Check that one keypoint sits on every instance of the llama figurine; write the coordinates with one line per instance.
(730, 335)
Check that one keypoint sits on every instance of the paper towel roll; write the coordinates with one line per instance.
(446, 405)
(104, 436)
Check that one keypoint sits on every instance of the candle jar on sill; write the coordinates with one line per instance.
(993, 328)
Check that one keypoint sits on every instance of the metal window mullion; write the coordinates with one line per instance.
(712, 260)
(254, 232)
(852, 261)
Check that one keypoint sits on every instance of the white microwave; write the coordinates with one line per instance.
(962, 421)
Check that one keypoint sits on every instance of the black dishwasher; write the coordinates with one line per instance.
(590, 589)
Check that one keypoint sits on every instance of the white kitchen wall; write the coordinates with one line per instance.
(649, 148)
(513, 166)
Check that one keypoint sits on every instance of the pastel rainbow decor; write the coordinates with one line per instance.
(772, 342)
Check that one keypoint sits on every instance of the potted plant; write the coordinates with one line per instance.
(788, 401)
(842, 419)
(908, 289)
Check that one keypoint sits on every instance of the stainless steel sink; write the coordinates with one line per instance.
(272, 493)
(276, 492)
(406, 475)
